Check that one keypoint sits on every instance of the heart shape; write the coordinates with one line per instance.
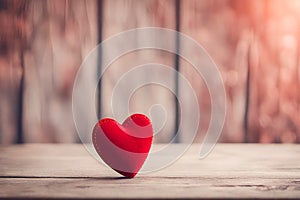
(124, 147)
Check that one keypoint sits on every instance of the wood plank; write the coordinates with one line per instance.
(148, 187)
(230, 171)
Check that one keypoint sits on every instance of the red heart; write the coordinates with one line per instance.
(124, 147)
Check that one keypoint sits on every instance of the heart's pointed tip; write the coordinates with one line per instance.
(130, 176)
(126, 174)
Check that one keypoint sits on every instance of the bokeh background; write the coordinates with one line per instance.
(255, 43)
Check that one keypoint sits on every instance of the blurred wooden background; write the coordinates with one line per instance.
(255, 43)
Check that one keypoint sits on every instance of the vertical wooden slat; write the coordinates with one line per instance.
(298, 86)
(22, 11)
(177, 24)
(247, 96)
(20, 138)
(100, 16)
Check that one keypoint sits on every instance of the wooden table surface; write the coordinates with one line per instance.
(230, 171)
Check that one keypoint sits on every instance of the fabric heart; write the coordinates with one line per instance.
(124, 147)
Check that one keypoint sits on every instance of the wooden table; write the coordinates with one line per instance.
(230, 171)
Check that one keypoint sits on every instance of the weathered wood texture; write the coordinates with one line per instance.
(230, 171)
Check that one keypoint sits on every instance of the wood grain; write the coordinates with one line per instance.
(230, 171)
